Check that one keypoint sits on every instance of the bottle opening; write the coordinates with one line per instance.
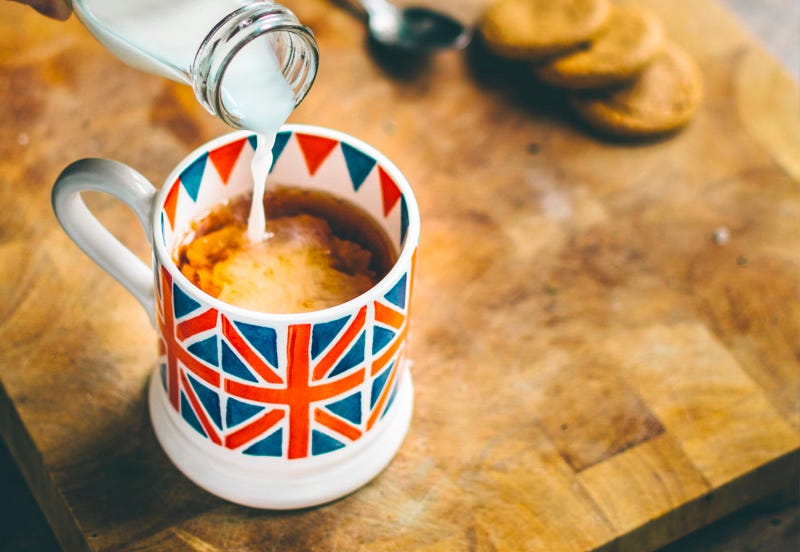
(257, 63)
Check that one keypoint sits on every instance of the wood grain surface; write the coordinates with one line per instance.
(593, 369)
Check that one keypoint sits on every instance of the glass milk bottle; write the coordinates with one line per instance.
(250, 62)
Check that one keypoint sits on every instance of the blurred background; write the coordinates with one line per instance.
(772, 526)
(776, 23)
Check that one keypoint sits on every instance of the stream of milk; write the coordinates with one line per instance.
(163, 37)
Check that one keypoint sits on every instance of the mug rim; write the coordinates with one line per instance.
(404, 258)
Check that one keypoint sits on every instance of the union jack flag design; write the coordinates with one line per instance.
(302, 392)
(291, 391)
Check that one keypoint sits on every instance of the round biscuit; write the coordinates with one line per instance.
(628, 42)
(663, 98)
(537, 29)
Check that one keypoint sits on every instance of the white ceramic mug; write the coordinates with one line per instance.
(268, 410)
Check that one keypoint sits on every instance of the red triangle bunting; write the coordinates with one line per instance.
(171, 202)
(389, 190)
(315, 150)
(224, 158)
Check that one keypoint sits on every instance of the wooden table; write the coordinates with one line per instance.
(593, 368)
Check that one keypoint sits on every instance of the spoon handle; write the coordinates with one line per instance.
(369, 8)
(374, 7)
(353, 6)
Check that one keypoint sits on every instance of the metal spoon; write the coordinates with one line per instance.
(413, 28)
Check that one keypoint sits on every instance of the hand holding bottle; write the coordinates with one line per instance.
(58, 9)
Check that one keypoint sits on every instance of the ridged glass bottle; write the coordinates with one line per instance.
(231, 52)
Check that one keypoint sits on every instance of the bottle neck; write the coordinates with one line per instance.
(278, 33)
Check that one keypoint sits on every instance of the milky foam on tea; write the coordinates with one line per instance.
(323, 251)
(297, 270)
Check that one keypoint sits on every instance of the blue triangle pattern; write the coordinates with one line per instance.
(277, 148)
(389, 403)
(206, 350)
(263, 339)
(403, 219)
(192, 176)
(321, 443)
(359, 164)
(237, 411)
(253, 140)
(323, 334)
(231, 364)
(397, 295)
(189, 416)
(163, 372)
(348, 408)
(377, 385)
(353, 358)
(269, 446)
(381, 337)
(182, 302)
(209, 399)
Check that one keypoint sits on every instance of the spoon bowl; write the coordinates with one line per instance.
(413, 28)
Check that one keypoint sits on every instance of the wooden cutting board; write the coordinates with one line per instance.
(593, 369)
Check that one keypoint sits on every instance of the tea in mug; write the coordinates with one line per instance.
(321, 251)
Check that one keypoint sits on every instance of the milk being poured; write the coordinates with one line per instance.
(163, 37)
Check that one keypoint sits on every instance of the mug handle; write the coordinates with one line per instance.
(133, 189)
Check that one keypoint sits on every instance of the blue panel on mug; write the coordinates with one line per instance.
(209, 399)
(353, 358)
(263, 339)
(232, 365)
(321, 443)
(206, 350)
(183, 303)
(323, 334)
(269, 446)
(378, 384)
(188, 414)
(237, 412)
(348, 408)
(397, 295)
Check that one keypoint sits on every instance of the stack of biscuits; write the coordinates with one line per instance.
(623, 75)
